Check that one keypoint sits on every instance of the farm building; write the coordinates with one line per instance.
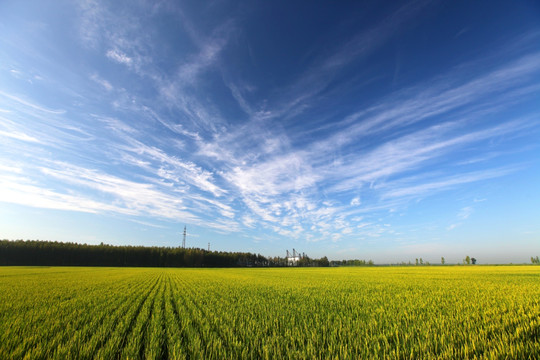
(293, 258)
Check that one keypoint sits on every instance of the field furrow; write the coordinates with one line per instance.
(134, 326)
(176, 336)
(103, 332)
(122, 324)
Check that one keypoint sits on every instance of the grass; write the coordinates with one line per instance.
(490, 312)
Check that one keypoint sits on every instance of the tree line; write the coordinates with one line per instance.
(49, 253)
(53, 253)
(354, 262)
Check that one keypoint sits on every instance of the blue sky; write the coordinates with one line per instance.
(363, 130)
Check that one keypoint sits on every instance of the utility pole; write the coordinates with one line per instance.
(184, 240)
(208, 246)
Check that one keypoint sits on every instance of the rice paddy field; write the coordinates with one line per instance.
(444, 312)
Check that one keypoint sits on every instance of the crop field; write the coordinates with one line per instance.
(292, 313)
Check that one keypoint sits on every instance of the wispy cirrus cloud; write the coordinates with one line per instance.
(462, 215)
(409, 106)
(20, 190)
(306, 88)
(104, 83)
(170, 133)
(205, 58)
(18, 136)
(179, 89)
(30, 104)
(173, 168)
(414, 150)
(119, 57)
(444, 184)
(127, 42)
(266, 182)
(465, 212)
(108, 194)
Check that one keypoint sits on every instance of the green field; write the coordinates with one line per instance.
(294, 313)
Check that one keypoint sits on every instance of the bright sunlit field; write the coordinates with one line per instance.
(443, 312)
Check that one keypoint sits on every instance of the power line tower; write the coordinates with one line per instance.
(208, 246)
(184, 239)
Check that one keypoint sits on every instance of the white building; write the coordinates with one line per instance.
(292, 259)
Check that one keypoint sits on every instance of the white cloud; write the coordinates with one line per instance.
(347, 231)
(20, 190)
(116, 124)
(104, 83)
(279, 175)
(336, 237)
(280, 182)
(31, 105)
(426, 100)
(410, 152)
(248, 221)
(18, 136)
(306, 88)
(188, 72)
(465, 212)
(445, 184)
(173, 168)
(186, 159)
(225, 226)
(119, 57)
(90, 18)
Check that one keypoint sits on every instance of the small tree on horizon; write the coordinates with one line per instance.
(473, 260)
(442, 260)
(467, 260)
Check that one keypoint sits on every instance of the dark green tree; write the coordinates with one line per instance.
(48, 253)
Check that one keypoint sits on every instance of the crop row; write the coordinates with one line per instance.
(343, 313)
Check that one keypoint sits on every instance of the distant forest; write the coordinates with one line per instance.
(52, 253)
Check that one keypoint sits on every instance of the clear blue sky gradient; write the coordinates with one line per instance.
(372, 130)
